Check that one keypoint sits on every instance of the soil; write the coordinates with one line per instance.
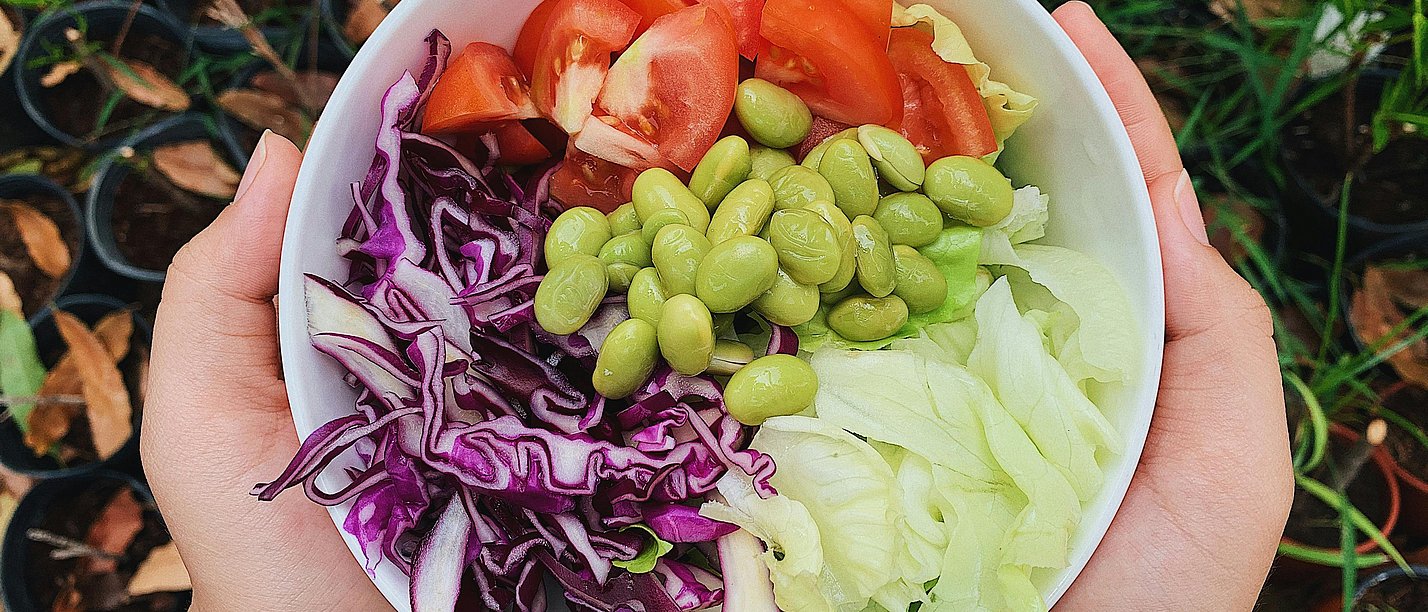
(153, 219)
(74, 104)
(1314, 523)
(1398, 593)
(35, 287)
(72, 518)
(1390, 189)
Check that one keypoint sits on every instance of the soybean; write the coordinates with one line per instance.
(727, 164)
(623, 220)
(735, 273)
(866, 319)
(895, 157)
(580, 230)
(743, 213)
(970, 190)
(676, 254)
(849, 172)
(788, 302)
(774, 116)
(909, 218)
(646, 296)
(628, 249)
(730, 356)
(770, 386)
(815, 156)
(686, 334)
(570, 293)
(767, 161)
(626, 360)
(657, 189)
(797, 187)
(807, 246)
(620, 275)
(657, 221)
(877, 272)
(919, 283)
(847, 248)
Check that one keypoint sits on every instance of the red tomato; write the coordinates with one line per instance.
(574, 54)
(666, 99)
(586, 180)
(481, 85)
(875, 15)
(743, 17)
(517, 146)
(820, 51)
(650, 10)
(942, 111)
(822, 130)
(529, 39)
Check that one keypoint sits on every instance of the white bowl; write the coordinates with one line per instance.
(1075, 149)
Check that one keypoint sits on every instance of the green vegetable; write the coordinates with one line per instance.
(580, 230)
(729, 356)
(774, 116)
(969, 190)
(808, 247)
(650, 553)
(686, 334)
(623, 220)
(877, 273)
(849, 172)
(744, 212)
(21, 372)
(867, 319)
(627, 358)
(767, 161)
(628, 249)
(724, 166)
(657, 189)
(676, 254)
(788, 302)
(847, 249)
(797, 187)
(909, 218)
(735, 273)
(570, 293)
(657, 221)
(815, 156)
(646, 296)
(919, 283)
(895, 157)
(770, 386)
(620, 275)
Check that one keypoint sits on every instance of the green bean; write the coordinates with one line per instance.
(686, 334)
(849, 171)
(909, 218)
(657, 189)
(628, 248)
(580, 230)
(969, 190)
(626, 360)
(729, 357)
(774, 116)
(743, 213)
(919, 283)
(676, 253)
(866, 319)
(570, 293)
(727, 164)
(735, 273)
(815, 156)
(657, 221)
(620, 276)
(797, 187)
(646, 296)
(877, 272)
(788, 302)
(767, 161)
(847, 248)
(623, 220)
(770, 386)
(897, 159)
(807, 246)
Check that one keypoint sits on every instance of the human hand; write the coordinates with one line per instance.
(216, 417)
(1200, 523)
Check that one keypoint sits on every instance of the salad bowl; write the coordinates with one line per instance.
(1074, 148)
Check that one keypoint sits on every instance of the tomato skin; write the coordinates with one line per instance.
(875, 16)
(743, 16)
(820, 51)
(650, 10)
(528, 42)
(573, 57)
(518, 146)
(586, 180)
(822, 130)
(942, 111)
(480, 85)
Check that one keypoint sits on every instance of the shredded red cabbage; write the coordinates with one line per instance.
(490, 464)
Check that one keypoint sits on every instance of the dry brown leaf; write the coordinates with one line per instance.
(114, 530)
(9, 298)
(146, 85)
(41, 236)
(69, 599)
(162, 572)
(9, 40)
(58, 72)
(1256, 10)
(50, 422)
(105, 396)
(1408, 286)
(1375, 313)
(263, 110)
(195, 166)
(363, 17)
(312, 85)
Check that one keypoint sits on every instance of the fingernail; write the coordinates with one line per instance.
(1190, 208)
(255, 165)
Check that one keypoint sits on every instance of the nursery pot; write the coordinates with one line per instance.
(218, 39)
(1410, 456)
(334, 19)
(240, 139)
(111, 202)
(35, 287)
(1393, 589)
(89, 309)
(153, 37)
(67, 507)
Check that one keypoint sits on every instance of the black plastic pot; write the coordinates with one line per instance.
(333, 14)
(25, 186)
(231, 132)
(88, 308)
(220, 40)
(110, 174)
(1390, 580)
(19, 573)
(1401, 247)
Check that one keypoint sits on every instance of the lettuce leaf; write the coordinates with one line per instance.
(795, 553)
(1026, 222)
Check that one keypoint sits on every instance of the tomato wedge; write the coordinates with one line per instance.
(574, 54)
(650, 10)
(743, 17)
(481, 85)
(875, 16)
(528, 42)
(822, 52)
(668, 96)
(586, 180)
(517, 145)
(942, 111)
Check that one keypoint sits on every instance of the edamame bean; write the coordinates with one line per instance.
(815, 156)
(767, 161)
(969, 189)
(686, 334)
(676, 253)
(743, 213)
(807, 246)
(727, 164)
(620, 275)
(865, 319)
(774, 116)
(797, 187)
(877, 272)
(788, 302)
(657, 221)
(626, 360)
(628, 248)
(847, 249)
(849, 172)
(623, 220)
(909, 218)
(580, 230)
(896, 158)
(833, 299)
(647, 296)
(657, 189)
(919, 283)
(735, 273)
(775, 385)
(570, 293)
(729, 357)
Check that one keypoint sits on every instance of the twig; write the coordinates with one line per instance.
(68, 548)
(101, 72)
(1358, 457)
(44, 400)
(118, 43)
(228, 13)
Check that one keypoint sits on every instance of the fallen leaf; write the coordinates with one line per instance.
(146, 85)
(114, 530)
(21, 373)
(363, 17)
(68, 599)
(41, 236)
(195, 166)
(63, 165)
(162, 572)
(9, 298)
(1375, 313)
(1408, 286)
(263, 110)
(314, 86)
(9, 40)
(50, 422)
(105, 396)
(1256, 10)
(1232, 223)
(58, 72)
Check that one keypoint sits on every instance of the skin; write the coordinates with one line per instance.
(1199, 523)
